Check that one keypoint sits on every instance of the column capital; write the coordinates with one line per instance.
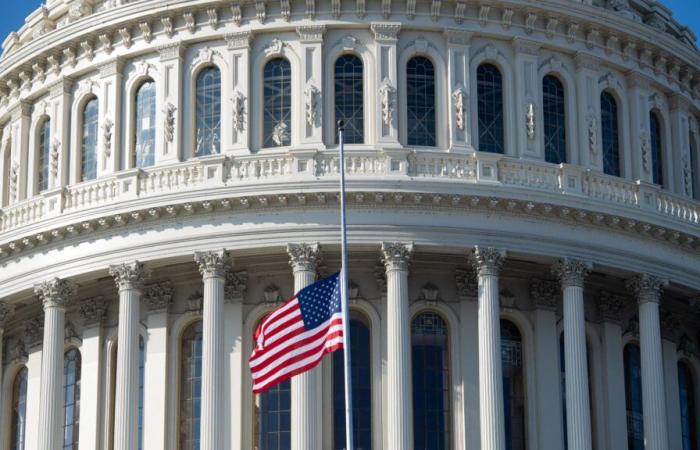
(467, 284)
(6, 311)
(670, 326)
(158, 296)
(610, 307)
(34, 331)
(397, 255)
(304, 257)
(488, 260)
(213, 263)
(238, 40)
(544, 293)
(386, 31)
(129, 275)
(311, 33)
(93, 311)
(55, 293)
(236, 286)
(647, 288)
(571, 272)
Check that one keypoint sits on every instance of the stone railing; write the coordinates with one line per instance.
(501, 176)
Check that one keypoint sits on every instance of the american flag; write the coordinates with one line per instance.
(295, 337)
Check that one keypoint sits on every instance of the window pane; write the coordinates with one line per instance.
(687, 399)
(208, 114)
(273, 418)
(142, 377)
(420, 102)
(146, 125)
(361, 389)
(611, 138)
(191, 387)
(71, 396)
(44, 155)
(431, 383)
(513, 386)
(553, 109)
(277, 103)
(349, 98)
(656, 149)
(89, 149)
(633, 397)
(19, 410)
(490, 102)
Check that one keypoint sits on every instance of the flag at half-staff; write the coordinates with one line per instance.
(295, 337)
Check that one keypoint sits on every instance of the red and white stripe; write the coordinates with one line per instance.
(284, 348)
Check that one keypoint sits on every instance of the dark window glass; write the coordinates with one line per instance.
(142, 380)
(553, 110)
(489, 85)
(191, 387)
(611, 134)
(633, 397)
(273, 418)
(431, 383)
(361, 389)
(19, 410)
(513, 385)
(71, 396)
(208, 117)
(146, 125)
(89, 149)
(656, 149)
(277, 103)
(689, 422)
(420, 102)
(349, 98)
(44, 155)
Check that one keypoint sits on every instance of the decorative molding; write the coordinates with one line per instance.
(386, 31)
(93, 311)
(236, 286)
(611, 307)
(238, 111)
(311, 102)
(530, 121)
(459, 95)
(238, 40)
(271, 295)
(34, 330)
(55, 293)
(6, 311)
(311, 33)
(158, 297)
(274, 48)
(545, 294)
(169, 120)
(467, 283)
(430, 294)
(387, 94)
(670, 325)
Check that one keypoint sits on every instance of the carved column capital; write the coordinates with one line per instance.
(467, 284)
(236, 286)
(488, 260)
(545, 293)
(304, 257)
(571, 272)
(129, 275)
(55, 293)
(610, 307)
(213, 263)
(670, 326)
(34, 331)
(647, 288)
(158, 296)
(6, 311)
(397, 255)
(93, 311)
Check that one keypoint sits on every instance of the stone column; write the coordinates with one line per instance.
(54, 295)
(109, 142)
(170, 90)
(396, 257)
(386, 36)
(238, 44)
(572, 274)
(306, 387)
(528, 100)
(647, 290)
(212, 266)
(129, 279)
(590, 153)
(488, 261)
(458, 45)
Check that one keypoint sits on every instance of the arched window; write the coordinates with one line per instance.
(208, 112)
(689, 421)
(553, 110)
(88, 157)
(694, 181)
(190, 386)
(349, 101)
(657, 171)
(361, 389)
(431, 383)
(44, 155)
(71, 395)
(277, 103)
(633, 397)
(420, 101)
(513, 385)
(145, 148)
(489, 86)
(19, 410)
(610, 134)
(5, 175)
(142, 382)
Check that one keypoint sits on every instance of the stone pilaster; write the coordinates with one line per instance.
(54, 294)
(110, 125)
(311, 41)
(238, 45)
(170, 90)
(129, 279)
(590, 153)
(396, 257)
(386, 38)
(528, 100)
(647, 289)
(488, 262)
(458, 51)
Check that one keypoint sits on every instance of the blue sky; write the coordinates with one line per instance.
(12, 17)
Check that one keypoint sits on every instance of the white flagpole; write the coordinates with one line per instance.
(349, 441)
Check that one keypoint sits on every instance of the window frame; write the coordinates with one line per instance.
(564, 113)
(42, 152)
(89, 99)
(616, 124)
(363, 80)
(502, 88)
(76, 397)
(657, 148)
(189, 326)
(135, 127)
(291, 98)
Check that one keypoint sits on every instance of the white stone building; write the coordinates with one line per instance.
(523, 204)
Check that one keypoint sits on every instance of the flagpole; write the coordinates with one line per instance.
(349, 441)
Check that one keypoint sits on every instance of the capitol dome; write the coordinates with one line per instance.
(523, 186)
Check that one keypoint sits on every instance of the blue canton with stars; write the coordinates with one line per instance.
(319, 301)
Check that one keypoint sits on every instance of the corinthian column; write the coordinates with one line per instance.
(213, 266)
(488, 262)
(396, 257)
(306, 387)
(129, 279)
(648, 289)
(54, 294)
(572, 273)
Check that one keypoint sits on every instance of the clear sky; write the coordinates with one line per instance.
(14, 12)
